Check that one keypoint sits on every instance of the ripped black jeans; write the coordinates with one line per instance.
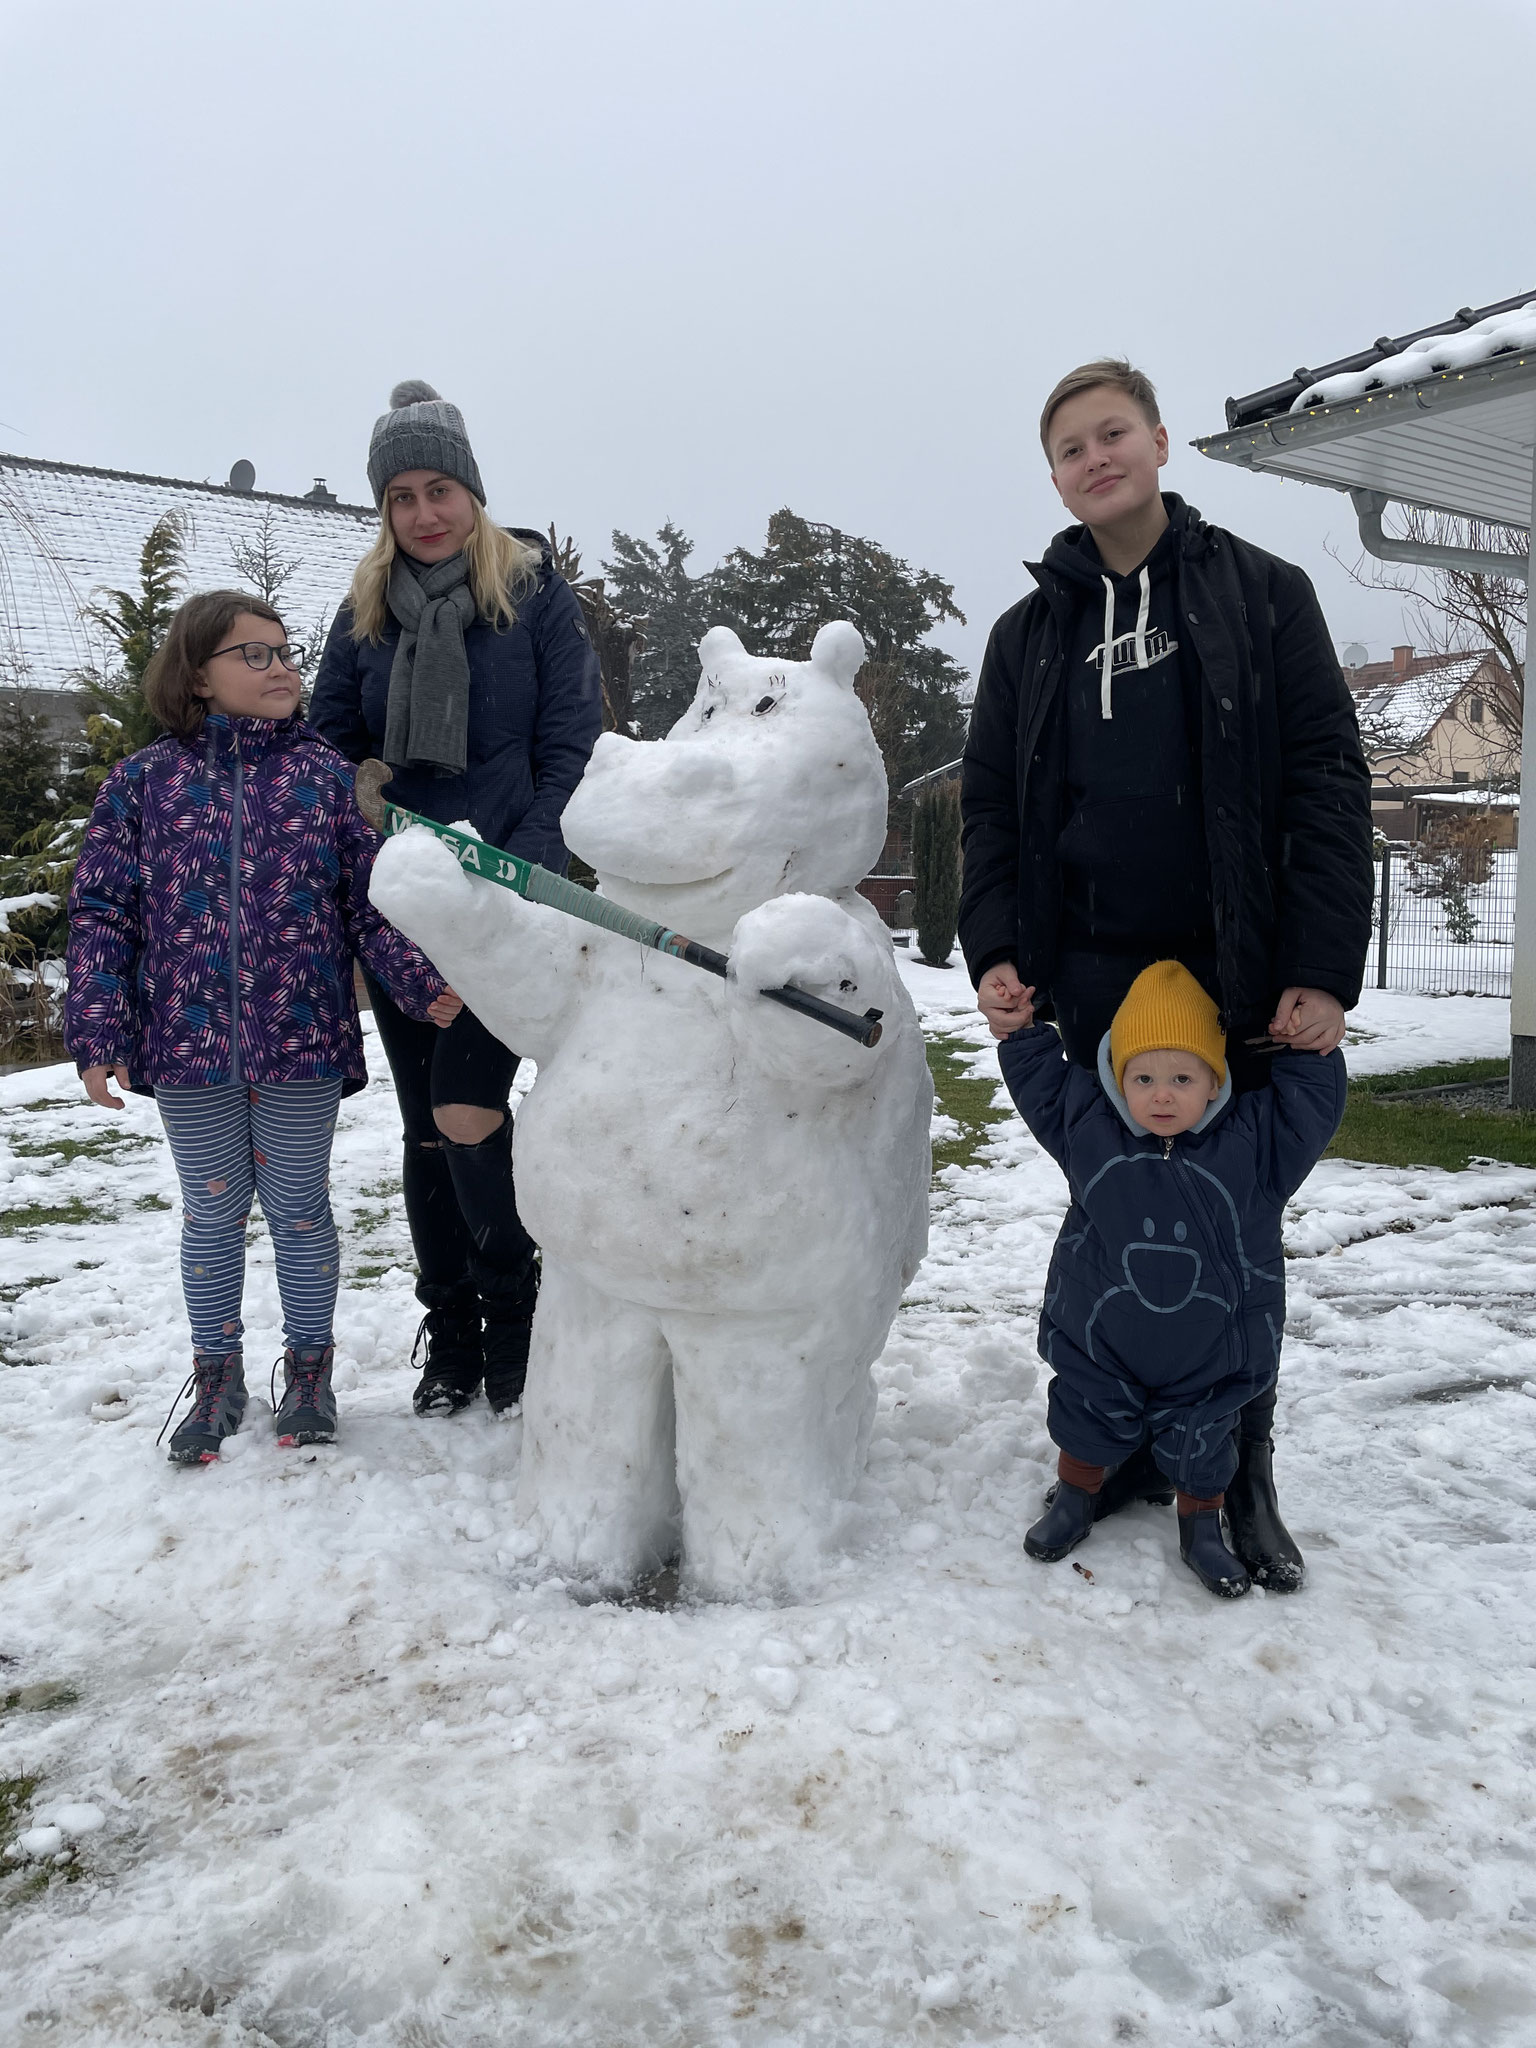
(472, 1252)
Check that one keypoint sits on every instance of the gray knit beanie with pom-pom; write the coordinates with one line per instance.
(420, 431)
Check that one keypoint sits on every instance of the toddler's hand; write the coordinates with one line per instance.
(1004, 1001)
(445, 1009)
(98, 1084)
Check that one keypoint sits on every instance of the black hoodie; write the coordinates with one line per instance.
(1135, 873)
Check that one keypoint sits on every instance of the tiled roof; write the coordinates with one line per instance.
(67, 533)
(1432, 354)
(1401, 714)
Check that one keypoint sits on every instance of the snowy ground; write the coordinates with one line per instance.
(364, 1776)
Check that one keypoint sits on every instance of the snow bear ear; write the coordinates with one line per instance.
(719, 644)
(839, 650)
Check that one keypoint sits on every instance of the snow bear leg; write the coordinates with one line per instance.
(772, 1421)
(598, 1480)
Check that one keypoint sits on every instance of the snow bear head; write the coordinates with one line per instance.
(770, 783)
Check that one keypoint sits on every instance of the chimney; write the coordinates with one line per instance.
(1402, 662)
(319, 495)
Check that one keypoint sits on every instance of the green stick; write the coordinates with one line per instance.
(527, 879)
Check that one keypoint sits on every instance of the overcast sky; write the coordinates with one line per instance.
(698, 259)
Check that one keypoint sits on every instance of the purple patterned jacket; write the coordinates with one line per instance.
(261, 814)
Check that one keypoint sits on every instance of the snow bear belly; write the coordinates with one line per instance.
(644, 1161)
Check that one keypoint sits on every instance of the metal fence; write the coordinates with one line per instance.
(1444, 920)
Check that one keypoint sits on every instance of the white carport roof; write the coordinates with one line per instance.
(1459, 442)
(1460, 439)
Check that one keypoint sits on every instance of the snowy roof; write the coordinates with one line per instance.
(1500, 335)
(67, 533)
(1443, 419)
(1403, 713)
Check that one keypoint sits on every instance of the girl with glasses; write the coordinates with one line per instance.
(221, 894)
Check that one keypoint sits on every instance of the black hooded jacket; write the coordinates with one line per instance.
(1233, 805)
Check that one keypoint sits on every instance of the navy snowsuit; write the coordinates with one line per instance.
(1165, 1300)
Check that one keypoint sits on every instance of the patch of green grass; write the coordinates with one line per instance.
(39, 1215)
(100, 1145)
(15, 1798)
(369, 1272)
(1382, 1132)
(969, 1101)
(153, 1202)
(1468, 1072)
(43, 1698)
(13, 1290)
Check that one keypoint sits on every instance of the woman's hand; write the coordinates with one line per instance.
(1004, 1001)
(445, 1009)
(98, 1084)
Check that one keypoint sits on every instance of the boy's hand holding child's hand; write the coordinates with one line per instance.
(98, 1084)
(1308, 1020)
(1004, 1001)
(445, 1009)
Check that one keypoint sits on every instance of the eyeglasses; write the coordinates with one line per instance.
(259, 654)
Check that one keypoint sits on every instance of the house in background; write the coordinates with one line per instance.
(1436, 740)
(68, 533)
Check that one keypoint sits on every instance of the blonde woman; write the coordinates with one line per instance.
(461, 657)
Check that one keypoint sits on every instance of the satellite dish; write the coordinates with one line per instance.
(243, 476)
(1355, 656)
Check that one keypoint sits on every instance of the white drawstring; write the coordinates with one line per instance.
(1107, 665)
(1139, 639)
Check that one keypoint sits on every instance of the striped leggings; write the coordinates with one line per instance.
(230, 1141)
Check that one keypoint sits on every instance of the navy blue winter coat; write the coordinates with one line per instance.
(1169, 1269)
(535, 711)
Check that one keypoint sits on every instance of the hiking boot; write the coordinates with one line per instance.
(454, 1362)
(1204, 1549)
(506, 1361)
(1259, 1536)
(218, 1405)
(307, 1412)
(1137, 1479)
(1065, 1523)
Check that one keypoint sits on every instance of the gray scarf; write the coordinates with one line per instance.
(426, 724)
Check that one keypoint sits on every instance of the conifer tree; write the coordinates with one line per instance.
(136, 622)
(651, 587)
(808, 574)
(936, 870)
(28, 767)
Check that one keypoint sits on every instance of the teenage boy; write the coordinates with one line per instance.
(1163, 763)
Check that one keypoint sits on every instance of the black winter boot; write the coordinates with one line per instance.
(1065, 1523)
(218, 1407)
(307, 1412)
(1137, 1479)
(1204, 1549)
(1259, 1536)
(454, 1362)
(506, 1360)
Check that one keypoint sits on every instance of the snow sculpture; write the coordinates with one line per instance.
(730, 1198)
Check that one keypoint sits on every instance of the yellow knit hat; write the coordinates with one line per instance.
(1166, 1010)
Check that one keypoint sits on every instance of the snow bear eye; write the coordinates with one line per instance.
(764, 704)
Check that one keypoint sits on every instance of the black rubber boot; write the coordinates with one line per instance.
(218, 1407)
(307, 1412)
(1065, 1523)
(1259, 1536)
(1137, 1479)
(1204, 1549)
(454, 1363)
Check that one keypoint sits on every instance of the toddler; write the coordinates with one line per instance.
(1165, 1300)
